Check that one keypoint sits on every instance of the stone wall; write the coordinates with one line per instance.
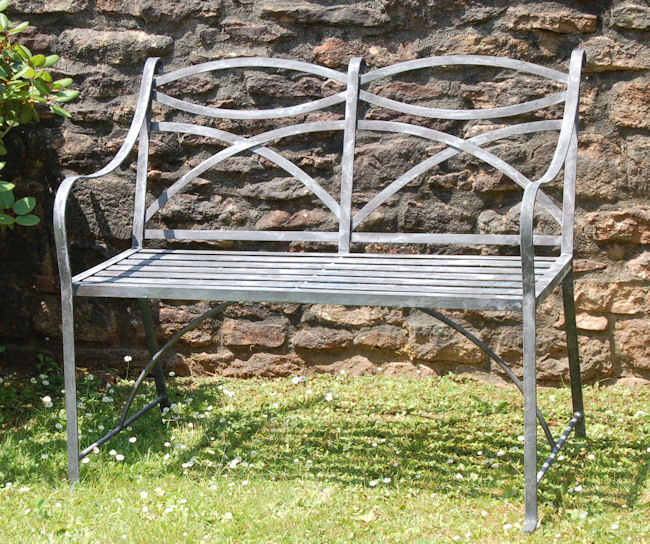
(103, 44)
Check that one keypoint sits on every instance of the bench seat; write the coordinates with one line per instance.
(444, 281)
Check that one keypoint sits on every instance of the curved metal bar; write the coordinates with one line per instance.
(473, 60)
(444, 155)
(276, 158)
(568, 119)
(63, 192)
(162, 351)
(289, 111)
(468, 147)
(244, 145)
(485, 113)
(491, 353)
(251, 62)
(355, 67)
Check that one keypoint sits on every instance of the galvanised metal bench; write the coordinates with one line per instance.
(430, 282)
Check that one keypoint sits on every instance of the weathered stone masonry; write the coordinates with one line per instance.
(103, 44)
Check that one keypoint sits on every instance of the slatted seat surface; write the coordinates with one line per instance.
(482, 282)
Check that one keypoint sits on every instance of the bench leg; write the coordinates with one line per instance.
(572, 348)
(152, 345)
(530, 415)
(69, 370)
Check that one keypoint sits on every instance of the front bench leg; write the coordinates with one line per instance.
(152, 345)
(69, 374)
(530, 415)
(572, 348)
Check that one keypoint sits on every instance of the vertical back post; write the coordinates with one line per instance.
(150, 67)
(357, 64)
(571, 159)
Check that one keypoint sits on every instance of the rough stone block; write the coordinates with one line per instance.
(354, 366)
(600, 168)
(253, 32)
(628, 225)
(382, 337)
(561, 21)
(631, 103)
(313, 14)
(631, 16)
(639, 267)
(155, 11)
(320, 338)
(264, 364)
(335, 53)
(51, 6)
(610, 297)
(112, 47)
(632, 340)
(431, 340)
(606, 54)
(267, 334)
(342, 316)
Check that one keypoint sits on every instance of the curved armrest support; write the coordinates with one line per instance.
(526, 237)
(568, 119)
(63, 192)
(565, 140)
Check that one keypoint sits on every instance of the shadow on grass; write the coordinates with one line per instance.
(436, 450)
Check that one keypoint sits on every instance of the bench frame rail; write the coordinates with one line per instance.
(565, 157)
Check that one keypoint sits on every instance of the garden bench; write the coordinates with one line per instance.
(444, 279)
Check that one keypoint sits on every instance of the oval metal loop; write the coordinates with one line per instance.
(463, 115)
(251, 62)
(248, 144)
(274, 113)
(472, 60)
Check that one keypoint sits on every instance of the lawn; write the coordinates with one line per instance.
(327, 459)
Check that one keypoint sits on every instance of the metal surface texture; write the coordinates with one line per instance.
(429, 282)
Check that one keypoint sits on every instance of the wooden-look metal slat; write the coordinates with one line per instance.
(282, 276)
(268, 283)
(297, 268)
(262, 253)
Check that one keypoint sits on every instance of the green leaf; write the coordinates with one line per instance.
(6, 219)
(38, 60)
(42, 88)
(24, 205)
(45, 76)
(4, 4)
(51, 60)
(62, 83)
(18, 28)
(66, 96)
(59, 110)
(3, 349)
(27, 220)
(23, 52)
(2, 165)
(6, 186)
(6, 199)
(4, 21)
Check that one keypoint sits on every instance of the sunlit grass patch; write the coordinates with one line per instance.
(325, 459)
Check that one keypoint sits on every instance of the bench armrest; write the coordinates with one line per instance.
(568, 119)
(567, 137)
(63, 192)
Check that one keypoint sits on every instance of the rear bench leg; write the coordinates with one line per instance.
(152, 345)
(530, 416)
(69, 370)
(572, 348)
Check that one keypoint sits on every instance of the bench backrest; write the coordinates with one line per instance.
(356, 82)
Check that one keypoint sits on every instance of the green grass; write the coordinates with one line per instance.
(260, 461)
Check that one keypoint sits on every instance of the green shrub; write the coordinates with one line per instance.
(25, 88)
